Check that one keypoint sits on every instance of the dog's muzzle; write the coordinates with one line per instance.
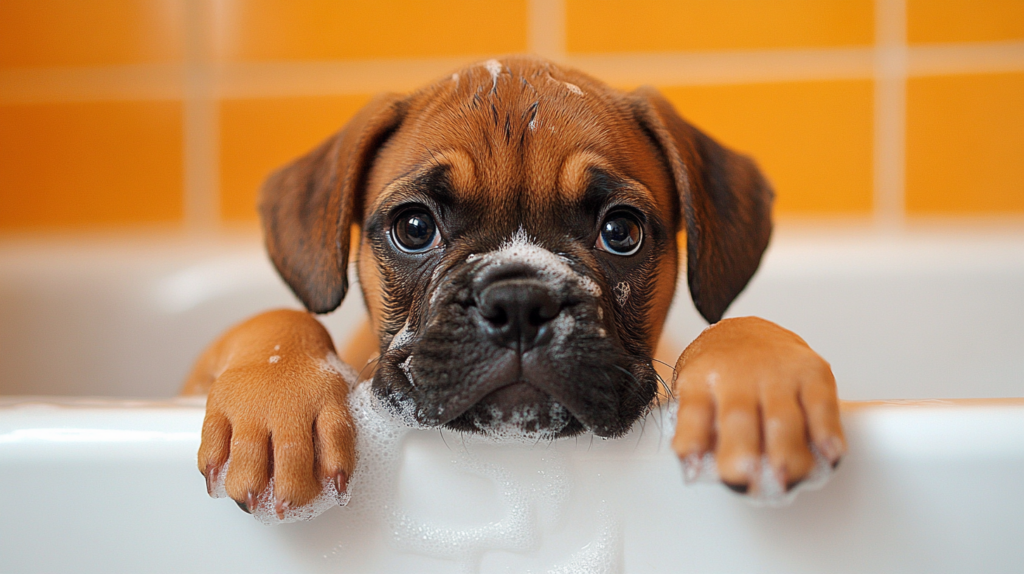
(516, 343)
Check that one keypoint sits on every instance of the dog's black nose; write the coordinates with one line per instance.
(519, 312)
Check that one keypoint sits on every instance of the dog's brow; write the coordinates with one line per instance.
(432, 183)
(603, 187)
(436, 183)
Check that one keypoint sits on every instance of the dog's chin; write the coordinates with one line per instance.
(518, 411)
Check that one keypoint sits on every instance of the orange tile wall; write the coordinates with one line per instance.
(941, 21)
(37, 33)
(330, 30)
(679, 25)
(86, 164)
(95, 97)
(812, 139)
(965, 144)
(259, 135)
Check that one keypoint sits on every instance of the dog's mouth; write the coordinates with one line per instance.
(499, 348)
(507, 404)
(537, 403)
(519, 410)
(452, 376)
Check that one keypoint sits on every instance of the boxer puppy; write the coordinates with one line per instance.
(517, 254)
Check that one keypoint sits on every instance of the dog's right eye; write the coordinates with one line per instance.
(414, 231)
(621, 234)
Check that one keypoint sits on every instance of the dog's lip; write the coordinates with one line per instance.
(519, 385)
(507, 374)
(485, 391)
(522, 394)
(480, 395)
(508, 371)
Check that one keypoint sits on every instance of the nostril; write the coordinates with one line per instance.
(543, 312)
(516, 312)
(548, 309)
(536, 319)
(496, 315)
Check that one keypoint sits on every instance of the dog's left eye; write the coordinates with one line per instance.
(414, 231)
(621, 234)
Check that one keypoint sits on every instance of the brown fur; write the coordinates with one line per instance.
(790, 395)
(273, 403)
(532, 139)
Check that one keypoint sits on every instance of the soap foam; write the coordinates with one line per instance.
(380, 430)
(265, 512)
(329, 495)
(766, 489)
(533, 495)
(333, 364)
(513, 532)
(601, 556)
(499, 428)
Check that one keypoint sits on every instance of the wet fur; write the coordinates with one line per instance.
(499, 147)
(513, 150)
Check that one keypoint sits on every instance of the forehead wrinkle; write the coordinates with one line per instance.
(429, 184)
(633, 197)
(581, 175)
(577, 173)
(520, 170)
(460, 170)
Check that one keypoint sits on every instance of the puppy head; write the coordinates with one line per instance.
(518, 242)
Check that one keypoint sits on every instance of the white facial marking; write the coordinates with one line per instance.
(436, 273)
(406, 367)
(564, 325)
(574, 88)
(521, 248)
(622, 293)
(455, 77)
(277, 347)
(403, 336)
(275, 359)
(494, 67)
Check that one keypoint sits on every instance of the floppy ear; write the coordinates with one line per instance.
(308, 206)
(725, 202)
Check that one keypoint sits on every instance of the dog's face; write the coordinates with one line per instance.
(518, 242)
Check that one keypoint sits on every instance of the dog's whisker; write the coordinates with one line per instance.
(640, 435)
(632, 388)
(373, 362)
(664, 384)
(663, 363)
(661, 380)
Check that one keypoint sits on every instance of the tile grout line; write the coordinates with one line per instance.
(728, 67)
(546, 29)
(200, 125)
(324, 78)
(890, 75)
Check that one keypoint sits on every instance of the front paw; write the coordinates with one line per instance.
(285, 420)
(748, 387)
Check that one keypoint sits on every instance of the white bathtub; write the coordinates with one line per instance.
(110, 484)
